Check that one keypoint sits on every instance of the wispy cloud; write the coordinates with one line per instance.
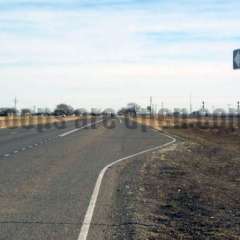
(107, 45)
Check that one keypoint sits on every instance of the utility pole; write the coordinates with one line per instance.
(151, 106)
(155, 108)
(203, 105)
(190, 103)
(15, 103)
(238, 106)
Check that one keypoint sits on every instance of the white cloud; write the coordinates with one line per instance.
(94, 54)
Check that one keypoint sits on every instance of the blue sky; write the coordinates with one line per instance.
(103, 53)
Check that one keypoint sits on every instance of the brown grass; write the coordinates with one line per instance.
(181, 122)
(15, 122)
(191, 191)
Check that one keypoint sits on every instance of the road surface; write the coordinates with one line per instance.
(46, 180)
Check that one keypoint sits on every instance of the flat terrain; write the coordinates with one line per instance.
(47, 177)
(190, 190)
(24, 121)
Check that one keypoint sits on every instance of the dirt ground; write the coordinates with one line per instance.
(190, 190)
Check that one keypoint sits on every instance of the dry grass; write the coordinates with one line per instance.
(14, 122)
(152, 122)
(192, 190)
(181, 122)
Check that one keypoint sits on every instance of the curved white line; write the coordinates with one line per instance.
(89, 214)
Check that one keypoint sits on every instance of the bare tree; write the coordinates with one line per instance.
(63, 109)
(26, 111)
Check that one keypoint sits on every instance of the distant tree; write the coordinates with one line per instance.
(8, 111)
(95, 111)
(47, 111)
(43, 112)
(63, 109)
(80, 111)
(122, 111)
(109, 112)
(132, 109)
(133, 106)
(26, 111)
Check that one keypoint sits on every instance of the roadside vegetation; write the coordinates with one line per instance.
(12, 118)
(190, 190)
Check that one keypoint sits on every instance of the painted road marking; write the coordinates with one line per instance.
(24, 148)
(89, 214)
(78, 129)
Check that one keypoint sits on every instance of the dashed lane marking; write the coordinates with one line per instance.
(47, 140)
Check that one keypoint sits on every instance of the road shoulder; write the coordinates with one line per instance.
(189, 190)
(113, 215)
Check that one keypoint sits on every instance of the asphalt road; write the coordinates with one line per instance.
(46, 180)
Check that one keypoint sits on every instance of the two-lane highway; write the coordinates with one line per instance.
(15, 140)
(45, 190)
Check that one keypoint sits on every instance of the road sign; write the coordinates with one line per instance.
(236, 59)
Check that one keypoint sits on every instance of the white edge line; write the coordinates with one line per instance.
(89, 214)
(78, 129)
